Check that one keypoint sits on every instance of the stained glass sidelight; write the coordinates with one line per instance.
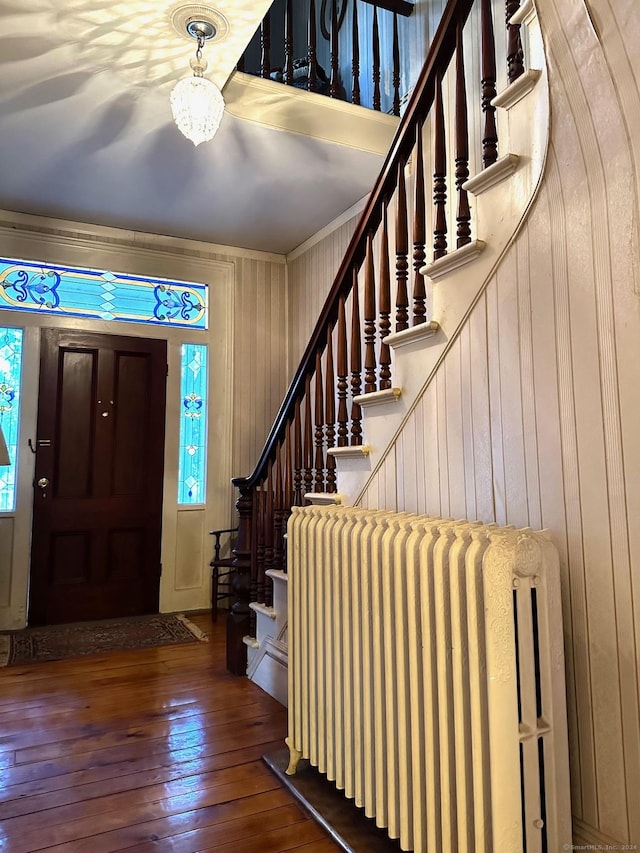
(193, 425)
(103, 295)
(10, 372)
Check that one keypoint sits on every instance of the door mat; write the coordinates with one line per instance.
(57, 642)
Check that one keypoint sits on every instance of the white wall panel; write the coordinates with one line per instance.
(6, 551)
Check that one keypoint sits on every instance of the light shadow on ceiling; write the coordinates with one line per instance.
(48, 91)
(17, 48)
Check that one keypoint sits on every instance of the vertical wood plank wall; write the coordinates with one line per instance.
(260, 374)
(533, 417)
(311, 273)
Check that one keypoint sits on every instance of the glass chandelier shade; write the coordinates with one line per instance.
(197, 103)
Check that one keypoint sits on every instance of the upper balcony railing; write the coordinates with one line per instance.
(334, 48)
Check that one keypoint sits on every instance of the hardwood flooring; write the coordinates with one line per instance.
(146, 751)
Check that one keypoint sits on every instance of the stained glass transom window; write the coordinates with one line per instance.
(10, 373)
(192, 468)
(77, 292)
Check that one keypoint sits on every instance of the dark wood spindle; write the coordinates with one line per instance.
(268, 538)
(515, 54)
(288, 469)
(355, 56)
(334, 84)
(402, 251)
(330, 413)
(265, 46)
(376, 61)
(319, 431)
(297, 457)
(356, 363)
(419, 235)
(396, 67)
(489, 132)
(278, 515)
(384, 309)
(312, 51)
(257, 554)
(463, 218)
(260, 528)
(439, 177)
(369, 319)
(343, 415)
(240, 613)
(288, 492)
(308, 440)
(287, 70)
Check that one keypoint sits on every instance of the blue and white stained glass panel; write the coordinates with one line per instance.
(10, 374)
(192, 467)
(77, 292)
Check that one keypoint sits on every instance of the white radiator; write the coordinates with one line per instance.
(426, 676)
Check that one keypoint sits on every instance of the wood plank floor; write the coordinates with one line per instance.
(146, 751)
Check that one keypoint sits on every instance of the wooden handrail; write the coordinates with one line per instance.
(438, 59)
(400, 7)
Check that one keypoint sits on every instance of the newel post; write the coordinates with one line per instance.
(239, 615)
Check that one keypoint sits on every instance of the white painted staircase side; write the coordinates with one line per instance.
(267, 652)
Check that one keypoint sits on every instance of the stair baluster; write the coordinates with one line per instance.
(269, 528)
(334, 85)
(355, 364)
(238, 621)
(308, 439)
(369, 320)
(265, 46)
(419, 235)
(515, 54)
(343, 414)
(384, 309)
(330, 413)
(319, 428)
(312, 52)
(439, 176)
(488, 82)
(278, 515)
(287, 69)
(376, 60)
(463, 219)
(402, 251)
(288, 496)
(396, 67)
(355, 57)
(298, 499)
(257, 592)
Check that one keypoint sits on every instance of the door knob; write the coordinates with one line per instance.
(43, 483)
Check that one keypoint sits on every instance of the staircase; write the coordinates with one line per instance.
(482, 135)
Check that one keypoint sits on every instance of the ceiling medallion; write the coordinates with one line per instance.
(186, 14)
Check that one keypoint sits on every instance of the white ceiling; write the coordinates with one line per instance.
(86, 132)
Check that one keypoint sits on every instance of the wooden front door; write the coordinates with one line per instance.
(98, 483)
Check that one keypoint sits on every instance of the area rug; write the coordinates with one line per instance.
(56, 642)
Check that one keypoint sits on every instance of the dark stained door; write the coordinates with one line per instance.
(98, 484)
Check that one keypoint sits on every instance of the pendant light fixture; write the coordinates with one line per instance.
(197, 103)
